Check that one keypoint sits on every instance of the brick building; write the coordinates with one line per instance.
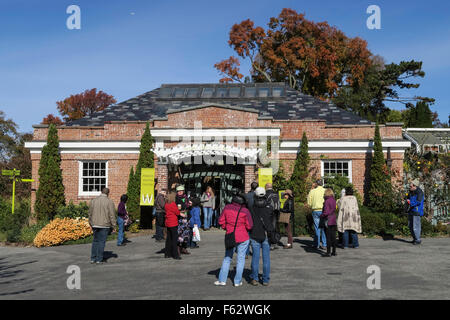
(213, 134)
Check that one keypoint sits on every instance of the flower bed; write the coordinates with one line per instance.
(60, 230)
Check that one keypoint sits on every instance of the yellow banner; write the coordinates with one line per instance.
(147, 186)
(264, 176)
(282, 199)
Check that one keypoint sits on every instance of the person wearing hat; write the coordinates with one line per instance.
(288, 208)
(195, 220)
(415, 211)
(315, 201)
(259, 236)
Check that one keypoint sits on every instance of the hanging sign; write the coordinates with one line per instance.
(147, 186)
(264, 176)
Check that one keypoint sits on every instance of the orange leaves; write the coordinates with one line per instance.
(49, 119)
(320, 57)
(79, 105)
(59, 231)
(229, 67)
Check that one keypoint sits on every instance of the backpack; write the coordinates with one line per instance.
(274, 202)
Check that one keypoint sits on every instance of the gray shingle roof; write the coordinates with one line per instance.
(291, 105)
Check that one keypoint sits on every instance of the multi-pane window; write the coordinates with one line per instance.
(235, 92)
(207, 92)
(165, 92)
(250, 92)
(179, 93)
(93, 177)
(333, 168)
(263, 92)
(192, 92)
(221, 92)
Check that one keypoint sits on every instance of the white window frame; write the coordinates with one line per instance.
(349, 161)
(80, 178)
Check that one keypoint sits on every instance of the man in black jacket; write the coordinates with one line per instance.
(274, 202)
(259, 236)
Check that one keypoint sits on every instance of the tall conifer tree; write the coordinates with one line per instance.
(50, 194)
(298, 182)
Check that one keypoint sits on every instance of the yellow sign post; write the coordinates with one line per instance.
(147, 186)
(264, 176)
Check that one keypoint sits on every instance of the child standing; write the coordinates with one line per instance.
(195, 219)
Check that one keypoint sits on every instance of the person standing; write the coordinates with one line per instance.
(235, 217)
(329, 213)
(121, 216)
(349, 219)
(209, 201)
(160, 202)
(102, 217)
(274, 202)
(289, 208)
(172, 214)
(259, 236)
(315, 202)
(249, 197)
(415, 212)
(194, 221)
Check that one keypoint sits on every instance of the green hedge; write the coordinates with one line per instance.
(11, 224)
(373, 223)
(73, 211)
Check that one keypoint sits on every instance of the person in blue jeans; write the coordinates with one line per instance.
(121, 215)
(208, 200)
(98, 244)
(235, 218)
(194, 221)
(415, 211)
(320, 234)
(259, 235)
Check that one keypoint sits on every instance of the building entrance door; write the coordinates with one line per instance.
(222, 178)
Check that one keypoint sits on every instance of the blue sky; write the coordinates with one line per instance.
(128, 47)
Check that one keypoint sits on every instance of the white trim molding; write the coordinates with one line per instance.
(343, 146)
(350, 168)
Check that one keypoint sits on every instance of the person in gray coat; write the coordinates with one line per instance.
(102, 218)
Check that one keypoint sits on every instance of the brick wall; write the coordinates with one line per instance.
(211, 117)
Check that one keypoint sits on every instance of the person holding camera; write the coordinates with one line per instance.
(259, 236)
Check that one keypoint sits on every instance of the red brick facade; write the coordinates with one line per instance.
(211, 117)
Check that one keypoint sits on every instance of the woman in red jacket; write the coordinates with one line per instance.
(172, 213)
(235, 214)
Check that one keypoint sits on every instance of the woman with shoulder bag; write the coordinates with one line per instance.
(288, 209)
(237, 221)
(329, 217)
(259, 237)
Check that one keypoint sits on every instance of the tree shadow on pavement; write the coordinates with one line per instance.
(8, 276)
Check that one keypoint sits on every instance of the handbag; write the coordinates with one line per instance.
(323, 223)
(126, 221)
(274, 236)
(196, 234)
(285, 217)
(230, 239)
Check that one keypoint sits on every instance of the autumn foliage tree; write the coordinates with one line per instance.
(319, 60)
(52, 119)
(315, 58)
(80, 105)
